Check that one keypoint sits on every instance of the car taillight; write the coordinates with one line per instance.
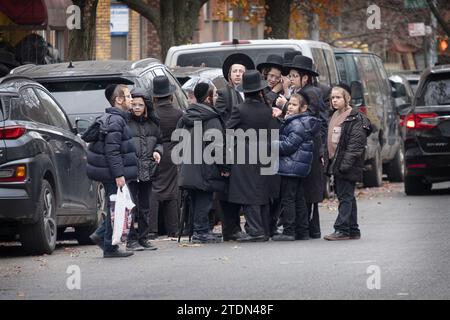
(13, 174)
(402, 121)
(421, 121)
(11, 132)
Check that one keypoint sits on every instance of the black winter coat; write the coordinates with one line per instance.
(147, 139)
(202, 176)
(228, 97)
(114, 155)
(247, 185)
(348, 162)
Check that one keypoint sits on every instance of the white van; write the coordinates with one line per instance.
(212, 54)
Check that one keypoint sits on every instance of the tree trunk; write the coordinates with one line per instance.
(82, 41)
(277, 19)
(444, 24)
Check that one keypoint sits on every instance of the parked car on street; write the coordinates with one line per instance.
(213, 54)
(184, 74)
(403, 96)
(43, 185)
(79, 86)
(384, 151)
(427, 140)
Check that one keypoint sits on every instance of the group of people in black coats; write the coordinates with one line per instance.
(282, 96)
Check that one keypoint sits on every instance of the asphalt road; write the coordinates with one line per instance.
(403, 254)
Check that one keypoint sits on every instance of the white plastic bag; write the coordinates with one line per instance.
(121, 217)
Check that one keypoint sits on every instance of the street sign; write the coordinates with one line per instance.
(416, 29)
(119, 20)
(415, 4)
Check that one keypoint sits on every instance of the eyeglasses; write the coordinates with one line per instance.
(273, 76)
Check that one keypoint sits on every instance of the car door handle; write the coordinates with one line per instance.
(69, 144)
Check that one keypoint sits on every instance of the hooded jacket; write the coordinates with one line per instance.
(296, 144)
(202, 176)
(114, 155)
(348, 161)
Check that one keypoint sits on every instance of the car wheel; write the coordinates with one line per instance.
(415, 186)
(82, 233)
(396, 170)
(40, 237)
(374, 176)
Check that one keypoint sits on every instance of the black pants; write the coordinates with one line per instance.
(347, 220)
(293, 207)
(202, 203)
(257, 220)
(231, 218)
(313, 217)
(169, 210)
(140, 192)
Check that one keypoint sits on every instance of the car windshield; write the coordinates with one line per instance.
(215, 59)
(81, 99)
(437, 92)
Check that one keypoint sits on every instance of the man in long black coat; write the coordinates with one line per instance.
(248, 187)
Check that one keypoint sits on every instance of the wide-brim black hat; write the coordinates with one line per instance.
(273, 61)
(237, 58)
(289, 56)
(162, 87)
(302, 64)
(252, 82)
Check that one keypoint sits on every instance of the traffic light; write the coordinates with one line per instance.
(443, 45)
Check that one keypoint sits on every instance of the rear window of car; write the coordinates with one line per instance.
(4, 107)
(437, 91)
(215, 59)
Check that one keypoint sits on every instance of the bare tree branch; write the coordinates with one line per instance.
(445, 26)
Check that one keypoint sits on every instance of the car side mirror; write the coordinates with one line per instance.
(357, 93)
(81, 125)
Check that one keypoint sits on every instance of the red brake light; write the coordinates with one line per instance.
(363, 109)
(11, 132)
(421, 121)
(13, 174)
(402, 121)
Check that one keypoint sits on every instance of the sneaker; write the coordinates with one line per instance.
(147, 245)
(234, 236)
(97, 240)
(116, 254)
(337, 235)
(134, 246)
(283, 237)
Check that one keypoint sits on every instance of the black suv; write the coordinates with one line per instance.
(79, 86)
(384, 151)
(43, 185)
(427, 140)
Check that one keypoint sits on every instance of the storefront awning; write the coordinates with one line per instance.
(43, 13)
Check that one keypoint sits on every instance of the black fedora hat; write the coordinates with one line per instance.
(251, 82)
(273, 60)
(162, 87)
(237, 58)
(303, 64)
(289, 56)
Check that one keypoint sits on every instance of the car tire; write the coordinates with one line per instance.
(40, 237)
(82, 233)
(396, 170)
(374, 176)
(415, 186)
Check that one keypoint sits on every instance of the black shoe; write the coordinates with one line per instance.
(147, 245)
(283, 237)
(249, 238)
(134, 245)
(315, 235)
(337, 235)
(117, 254)
(355, 236)
(302, 237)
(152, 236)
(233, 236)
(97, 240)
(205, 238)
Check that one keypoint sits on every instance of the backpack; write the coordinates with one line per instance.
(96, 130)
